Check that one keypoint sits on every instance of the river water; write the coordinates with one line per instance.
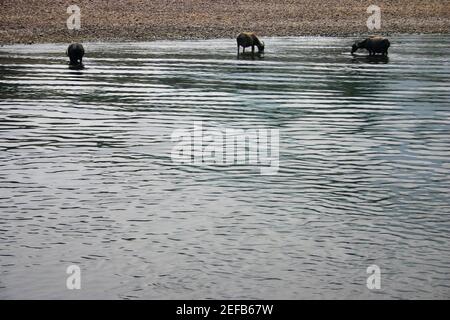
(87, 177)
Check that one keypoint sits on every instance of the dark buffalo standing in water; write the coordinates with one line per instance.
(75, 52)
(375, 45)
(249, 39)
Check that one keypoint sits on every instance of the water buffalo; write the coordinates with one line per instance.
(374, 45)
(249, 39)
(75, 52)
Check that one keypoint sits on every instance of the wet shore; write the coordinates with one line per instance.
(45, 21)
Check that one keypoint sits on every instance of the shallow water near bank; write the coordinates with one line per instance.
(86, 175)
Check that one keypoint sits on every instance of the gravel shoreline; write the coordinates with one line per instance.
(37, 21)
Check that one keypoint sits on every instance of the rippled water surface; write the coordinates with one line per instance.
(86, 175)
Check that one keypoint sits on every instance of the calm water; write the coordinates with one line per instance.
(86, 175)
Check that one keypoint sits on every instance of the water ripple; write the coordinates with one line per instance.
(86, 175)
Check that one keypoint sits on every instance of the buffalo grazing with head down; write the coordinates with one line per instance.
(374, 44)
(249, 39)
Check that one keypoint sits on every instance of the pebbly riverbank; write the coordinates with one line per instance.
(25, 21)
